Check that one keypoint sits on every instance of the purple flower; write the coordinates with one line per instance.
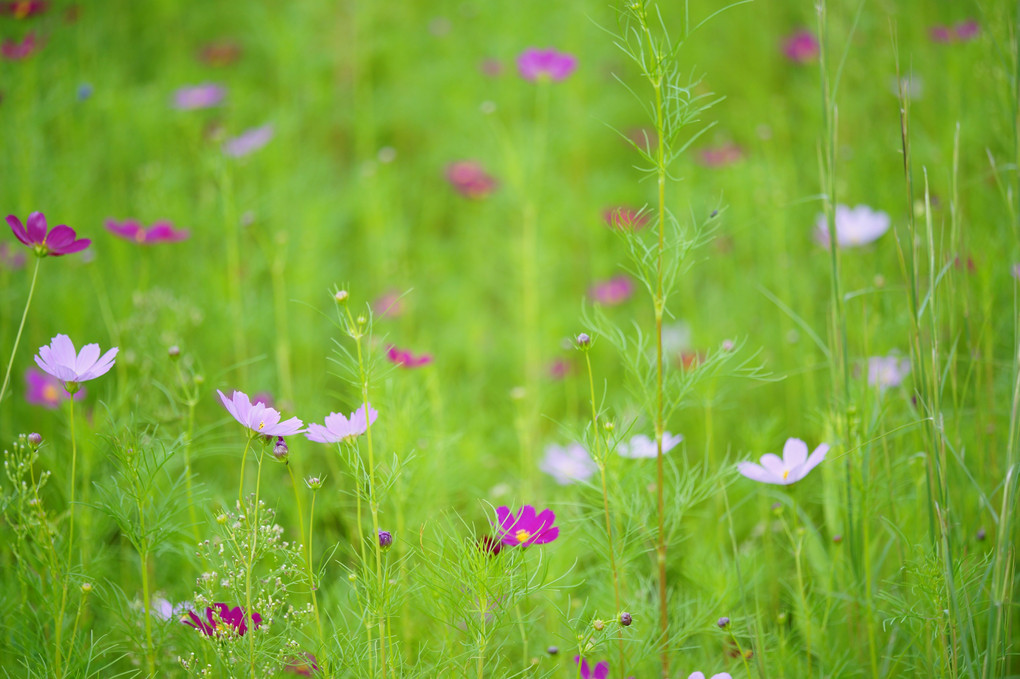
(720, 156)
(59, 359)
(601, 669)
(389, 305)
(16, 51)
(221, 619)
(641, 446)
(493, 68)
(568, 465)
(205, 95)
(854, 227)
(339, 428)
(248, 141)
(887, 371)
(548, 64)
(45, 390)
(60, 240)
(801, 47)
(405, 359)
(701, 675)
(526, 528)
(616, 290)
(11, 259)
(23, 8)
(470, 179)
(258, 417)
(160, 232)
(967, 30)
(963, 32)
(792, 467)
(625, 218)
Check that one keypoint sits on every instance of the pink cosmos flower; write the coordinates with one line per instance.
(854, 227)
(23, 8)
(16, 51)
(720, 156)
(792, 467)
(61, 240)
(801, 47)
(547, 64)
(625, 218)
(10, 259)
(963, 32)
(59, 360)
(221, 619)
(527, 528)
(45, 390)
(265, 398)
(160, 232)
(470, 179)
(339, 428)
(389, 305)
(568, 464)
(601, 669)
(641, 446)
(887, 371)
(406, 359)
(616, 290)
(248, 141)
(967, 30)
(701, 675)
(259, 418)
(559, 369)
(205, 95)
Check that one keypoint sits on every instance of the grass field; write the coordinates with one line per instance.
(543, 283)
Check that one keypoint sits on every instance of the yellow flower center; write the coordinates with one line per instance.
(262, 424)
(785, 474)
(523, 536)
(140, 236)
(50, 393)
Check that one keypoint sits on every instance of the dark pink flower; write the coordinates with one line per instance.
(205, 95)
(720, 156)
(61, 240)
(801, 47)
(45, 390)
(221, 619)
(389, 305)
(11, 259)
(303, 664)
(16, 51)
(24, 8)
(547, 64)
(625, 218)
(559, 369)
(160, 232)
(406, 359)
(248, 141)
(470, 179)
(616, 290)
(527, 528)
(967, 30)
(940, 34)
(601, 669)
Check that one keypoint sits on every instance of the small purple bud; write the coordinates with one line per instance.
(35, 439)
(583, 340)
(837, 539)
(385, 539)
(626, 619)
(727, 345)
(552, 650)
(715, 213)
(723, 622)
(980, 533)
(174, 352)
(280, 450)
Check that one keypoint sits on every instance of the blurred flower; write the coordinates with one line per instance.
(470, 179)
(676, 337)
(220, 619)
(338, 428)
(84, 91)
(645, 138)
(964, 31)
(11, 259)
(967, 30)
(857, 226)
(801, 47)
(567, 464)
(164, 610)
(221, 53)
(526, 528)
(24, 8)
(491, 67)
(887, 371)
(720, 156)
(303, 665)
(259, 418)
(601, 669)
(794, 465)
(389, 305)
(641, 446)
(45, 390)
(1015, 271)
(406, 359)
(559, 369)
(613, 291)
(548, 64)
(248, 141)
(16, 51)
(160, 232)
(205, 95)
(265, 398)
(701, 675)
(59, 359)
(625, 218)
(61, 240)
(911, 85)
(940, 34)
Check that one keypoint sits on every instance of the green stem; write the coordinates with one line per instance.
(254, 527)
(240, 489)
(70, 542)
(21, 327)
(311, 581)
(150, 652)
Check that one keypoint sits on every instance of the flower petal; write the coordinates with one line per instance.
(86, 358)
(773, 463)
(756, 473)
(601, 670)
(794, 453)
(19, 230)
(101, 366)
(36, 227)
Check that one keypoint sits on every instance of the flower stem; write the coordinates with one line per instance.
(70, 543)
(21, 327)
(311, 580)
(240, 489)
(150, 654)
(254, 526)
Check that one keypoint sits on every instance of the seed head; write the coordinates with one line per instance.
(626, 619)
(314, 482)
(599, 625)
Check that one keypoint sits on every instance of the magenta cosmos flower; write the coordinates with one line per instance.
(258, 417)
(221, 619)
(470, 179)
(601, 670)
(45, 390)
(625, 218)
(405, 359)
(801, 47)
(248, 141)
(24, 8)
(568, 464)
(160, 232)
(16, 51)
(60, 240)
(527, 528)
(547, 64)
(792, 467)
(616, 290)
(205, 95)
(60, 360)
(339, 428)
(854, 226)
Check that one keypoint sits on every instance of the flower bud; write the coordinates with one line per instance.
(723, 622)
(583, 340)
(608, 426)
(34, 439)
(341, 296)
(174, 352)
(280, 450)
(626, 619)
(86, 587)
(980, 534)
(352, 577)
(552, 650)
(385, 540)
(727, 345)
(314, 482)
(599, 625)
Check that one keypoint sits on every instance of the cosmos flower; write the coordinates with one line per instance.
(389, 305)
(258, 417)
(16, 51)
(567, 464)
(45, 390)
(854, 227)
(159, 232)
(940, 34)
(527, 528)
(60, 240)
(792, 467)
(220, 619)
(613, 291)
(559, 369)
(887, 371)
(164, 610)
(701, 675)
(720, 156)
(405, 359)
(547, 64)
(470, 179)
(625, 218)
(641, 446)
(338, 428)
(601, 670)
(801, 47)
(59, 360)
(248, 141)
(23, 8)
(964, 31)
(11, 259)
(490, 67)
(194, 97)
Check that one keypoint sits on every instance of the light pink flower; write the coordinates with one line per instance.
(389, 305)
(248, 141)
(613, 291)
(854, 227)
(625, 218)
(160, 232)
(205, 95)
(568, 464)
(470, 179)
(887, 371)
(642, 446)
(259, 418)
(338, 428)
(792, 467)
(60, 360)
(720, 156)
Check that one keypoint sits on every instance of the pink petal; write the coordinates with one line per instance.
(18, 229)
(755, 473)
(36, 227)
(86, 358)
(794, 453)
(773, 464)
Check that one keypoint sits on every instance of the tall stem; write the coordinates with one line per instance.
(240, 488)
(21, 327)
(59, 623)
(311, 580)
(254, 527)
